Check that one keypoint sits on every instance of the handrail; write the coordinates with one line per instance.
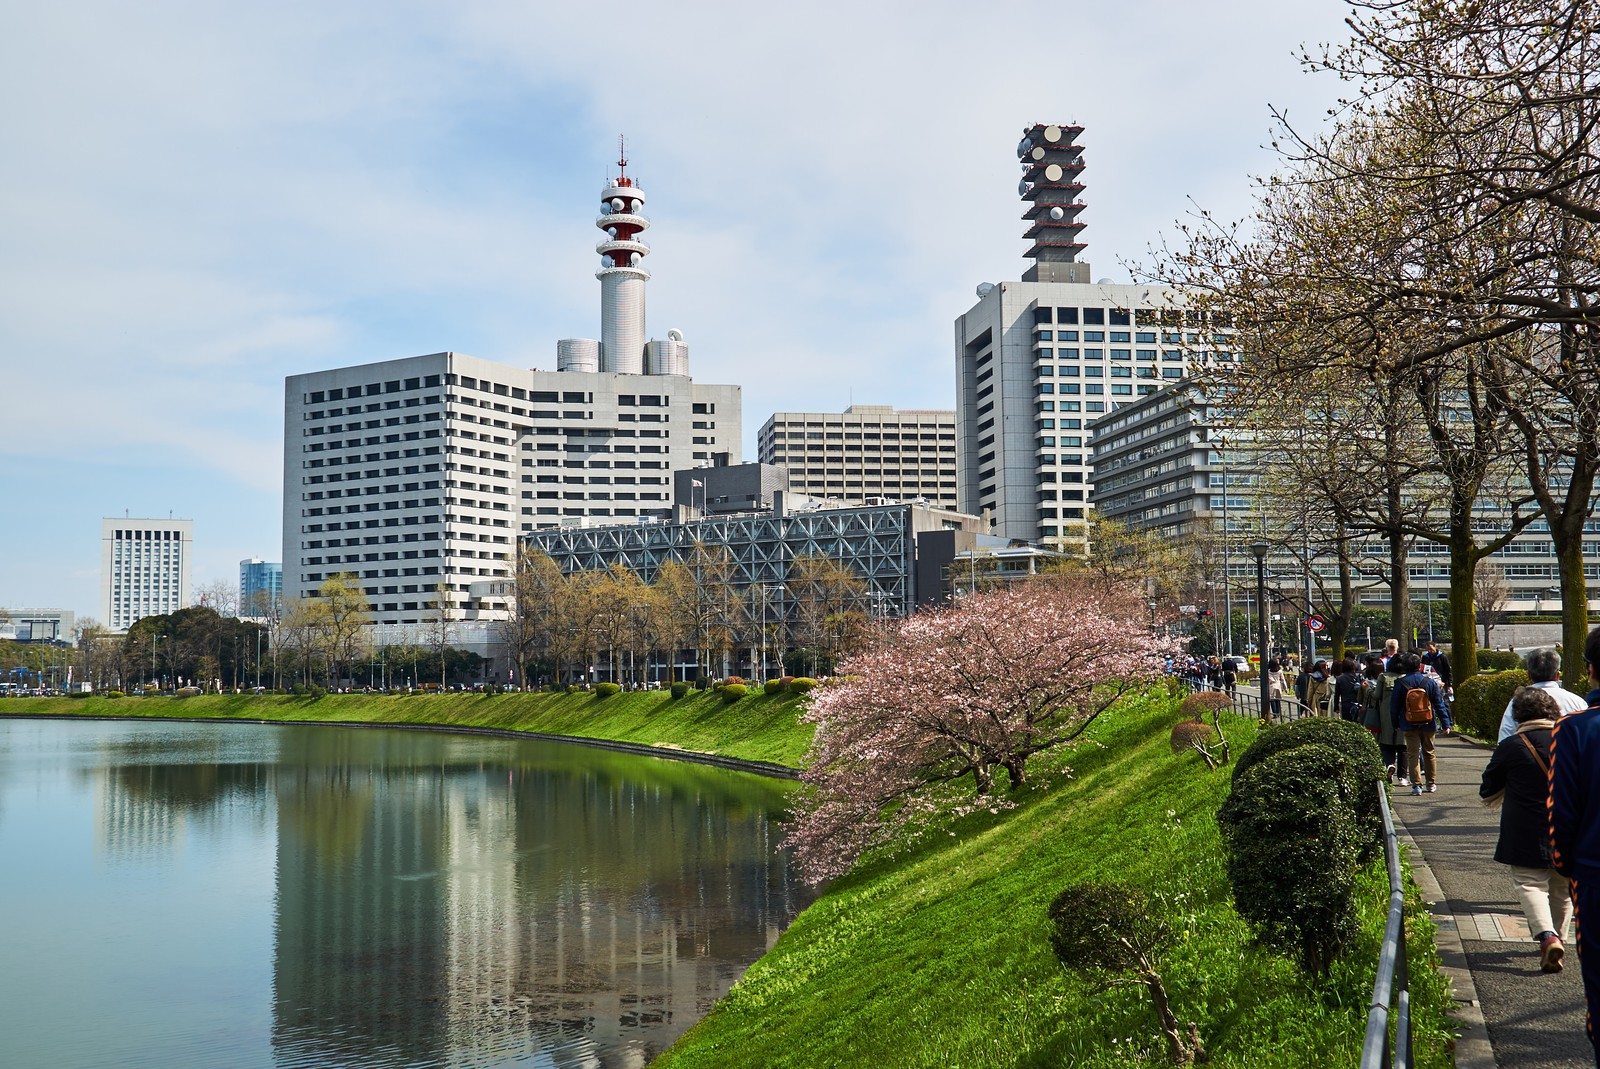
(1393, 979)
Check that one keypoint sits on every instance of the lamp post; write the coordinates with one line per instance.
(1260, 550)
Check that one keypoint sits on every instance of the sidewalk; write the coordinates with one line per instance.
(1535, 1020)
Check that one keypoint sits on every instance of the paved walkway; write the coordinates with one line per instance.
(1535, 1019)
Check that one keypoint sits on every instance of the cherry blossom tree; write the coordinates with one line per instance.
(947, 709)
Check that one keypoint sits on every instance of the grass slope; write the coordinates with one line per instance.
(755, 728)
(939, 957)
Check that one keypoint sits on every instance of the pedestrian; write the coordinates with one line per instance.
(1375, 698)
(1574, 809)
(1419, 719)
(1347, 691)
(1544, 671)
(1276, 685)
(1391, 648)
(1230, 677)
(1517, 779)
(1318, 689)
(1437, 660)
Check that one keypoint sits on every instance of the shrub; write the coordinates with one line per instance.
(1352, 740)
(1112, 930)
(1187, 734)
(785, 681)
(188, 692)
(732, 692)
(679, 689)
(772, 686)
(733, 679)
(1294, 844)
(606, 690)
(1202, 702)
(115, 694)
(574, 688)
(801, 684)
(1481, 701)
(1498, 660)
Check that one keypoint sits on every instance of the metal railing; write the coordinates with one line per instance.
(1392, 985)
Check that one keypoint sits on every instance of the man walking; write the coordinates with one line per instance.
(1439, 661)
(1418, 710)
(1544, 672)
(1575, 822)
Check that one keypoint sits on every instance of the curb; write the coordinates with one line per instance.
(1472, 1049)
(759, 768)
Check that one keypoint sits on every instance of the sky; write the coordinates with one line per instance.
(199, 199)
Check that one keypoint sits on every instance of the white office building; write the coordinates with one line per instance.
(145, 568)
(417, 471)
(867, 453)
(1040, 358)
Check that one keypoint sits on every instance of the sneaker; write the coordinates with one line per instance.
(1551, 951)
(1417, 789)
(1433, 788)
(1404, 781)
(1388, 770)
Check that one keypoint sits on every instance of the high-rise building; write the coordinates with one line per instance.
(145, 568)
(423, 470)
(865, 453)
(1040, 358)
(260, 587)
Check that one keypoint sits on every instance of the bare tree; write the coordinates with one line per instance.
(220, 596)
(1490, 592)
(441, 624)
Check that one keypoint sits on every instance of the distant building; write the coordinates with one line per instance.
(260, 586)
(38, 625)
(145, 569)
(727, 488)
(866, 454)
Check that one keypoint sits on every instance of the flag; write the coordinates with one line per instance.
(697, 484)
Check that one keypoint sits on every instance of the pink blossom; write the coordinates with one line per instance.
(948, 707)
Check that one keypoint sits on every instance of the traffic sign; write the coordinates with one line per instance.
(1316, 623)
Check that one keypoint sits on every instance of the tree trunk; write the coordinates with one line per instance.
(1177, 1048)
(1463, 622)
(1574, 610)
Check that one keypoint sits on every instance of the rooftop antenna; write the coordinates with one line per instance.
(622, 154)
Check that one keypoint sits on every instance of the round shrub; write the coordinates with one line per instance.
(1352, 740)
(188, 692)
(772, 686)
(1294, 844)
(78, 694)
(1087, 923)
(733, 679)
(1189, 732)
(679, 689)
(732, 692)
(606, 690)
(115, 694)
(1481, 701)
(1202, 702)
(1498, 660)
(801, 684)
(574, 688)
(785, 681)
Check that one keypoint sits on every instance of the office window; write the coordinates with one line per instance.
(1042, 315)
(1066, 315)
(1094, 335)
(1094, 316)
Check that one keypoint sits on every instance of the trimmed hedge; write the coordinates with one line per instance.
(1481, 701)
(115, 694)
(732, 692)
(679, 689)
(606, 690)
(1359, 748)
(801, 684)
(1498, 660)
(772, 686)
(1202, 702)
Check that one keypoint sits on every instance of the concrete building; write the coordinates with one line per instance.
(260, 586)
(145, 568)
(867, 453)
(424, 470)
(727, 488)
(38, 625)
(1039, 358)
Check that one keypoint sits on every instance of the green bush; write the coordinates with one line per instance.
(732, 692)
(1352, 740)
(606, 690)
(1481, 701)
(1202, 702)
(115, 694)
(785, 681)
(574, 688)
(801, 684)
(75, 695)
(772, 686)
(1294, 844)
(1498, 660)
(679, 689)
(188, 692)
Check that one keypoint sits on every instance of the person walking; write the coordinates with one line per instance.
(1544, 671)
(1517, 780)
(1317, 689)
(1419, 718)
(1376, 695)
(1347, 691)
(1276, 685)
(1437, 660)
(1574, 809)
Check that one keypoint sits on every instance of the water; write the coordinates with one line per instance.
(194, 895)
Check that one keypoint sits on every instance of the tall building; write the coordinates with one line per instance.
(424, 470)
(865, 452)
(145, 568)
(1039, 358)
(260, 586)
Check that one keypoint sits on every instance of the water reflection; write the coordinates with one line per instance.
(443, 901)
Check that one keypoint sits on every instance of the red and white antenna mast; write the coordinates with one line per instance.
(622, 330)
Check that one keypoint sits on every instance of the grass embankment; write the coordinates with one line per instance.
(940, 957)
(755, 728)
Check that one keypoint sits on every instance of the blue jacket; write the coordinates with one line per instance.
(1574, 804)
(1397, 703)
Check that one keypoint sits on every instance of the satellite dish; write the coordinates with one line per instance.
(633, 258)
(616, 204)
(1053, 173)
(675, 335)
(1052, 134)
(985, 288)
(1023, 187)
(1022, 147)
(1105, 282)
(611, 230)
(1037, 153)
(1057, 214)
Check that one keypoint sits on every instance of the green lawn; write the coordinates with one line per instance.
(939, 957)
(755, 728)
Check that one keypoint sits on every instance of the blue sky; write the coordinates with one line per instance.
(199, 199)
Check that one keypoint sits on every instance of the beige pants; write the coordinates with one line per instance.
(1419, 744)
(1546, 899)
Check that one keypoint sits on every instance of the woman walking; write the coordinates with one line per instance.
(1517, 779)
(1276, 685)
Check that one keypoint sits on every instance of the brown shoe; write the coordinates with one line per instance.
(1551, 951)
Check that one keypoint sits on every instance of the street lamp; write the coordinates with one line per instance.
(1260, 548)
